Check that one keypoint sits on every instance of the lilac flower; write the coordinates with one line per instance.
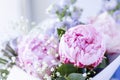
(66, 25)
(63, 9)
(107, 26)
(75, 12)
(66, 16)
(116, 16)
(37, 54)
(75, 23)
(52, 9)
(110, 5)
(64, 3)
(118, 0)
(48, 26)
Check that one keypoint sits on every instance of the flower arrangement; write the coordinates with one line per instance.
(65, 49)
(113, 8)
(38, 56)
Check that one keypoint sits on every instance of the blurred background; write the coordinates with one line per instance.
(35, 11)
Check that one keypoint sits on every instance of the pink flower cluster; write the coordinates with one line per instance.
(82, 46)
(37, 55)
(109, 29)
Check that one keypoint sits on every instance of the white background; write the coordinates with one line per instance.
(34, 10)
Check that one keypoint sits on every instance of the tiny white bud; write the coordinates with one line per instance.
(13, 59)
(55, 46)
(60, 65)
(56, 55)
(47, 77)
(88, 73)
(52, 69)
(48, 52)
(90, 78)
(57, 73)
(84, 75)
(9, 69)
(53, 61)
(94, 72)
(3, 74)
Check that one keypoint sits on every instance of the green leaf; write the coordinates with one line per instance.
(60, 32)
(76, 76)
(60, 78)
(3, 61)
(6, 53)
(117, 7)
(10, 49)
(103, 64)
(61, 14)
(5, 72)
(66, 69)
(73, 1)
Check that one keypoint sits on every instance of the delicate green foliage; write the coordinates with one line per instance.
(104, 63)
(76, 76)
(66, 69)
(73, 1)
(60, 78)
(60, 32)
(3, 61)
(70, 72)
(62, 14)
(7, 61)
(4, 73)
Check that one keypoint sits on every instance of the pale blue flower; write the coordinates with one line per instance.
(118, 0)
(116, 16)
(52, 9)
(110, 4)
(75, 12)
(66, 15)
(64, 3)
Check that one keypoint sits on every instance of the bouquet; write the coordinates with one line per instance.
(64, 49)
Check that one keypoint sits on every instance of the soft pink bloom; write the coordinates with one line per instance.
(37, 54)
(82, 46)
(107, 26)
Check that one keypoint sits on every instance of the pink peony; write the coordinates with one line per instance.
(37, 55)
(82, 46)
(107, 26)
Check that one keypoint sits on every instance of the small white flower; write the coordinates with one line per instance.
(8, 68)
(56, 55)
(52, 69)
(84, 75)
(90, 78)
(44, 64)
(60, 65)
(39, 70)
(57, 73)
(13, 59)
(53, 61)
(88, 73)
(47, 77)
(3, 74)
